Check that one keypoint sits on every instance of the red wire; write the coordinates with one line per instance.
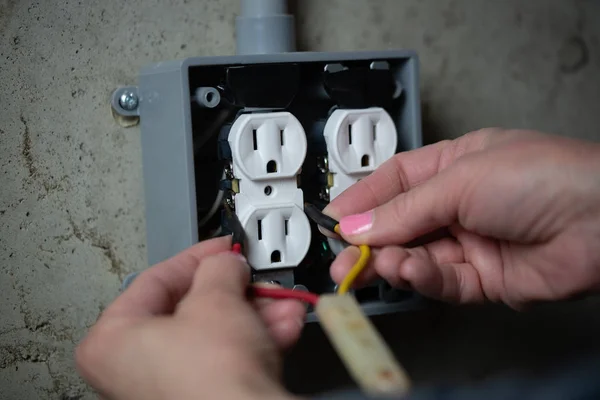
(278, 293)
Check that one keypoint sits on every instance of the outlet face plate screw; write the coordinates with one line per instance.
(129, 101)
(301, 288)
(229, 172)
(323, 164)
(230, 201)
(324, 194)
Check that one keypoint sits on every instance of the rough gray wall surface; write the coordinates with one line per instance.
(71, 200)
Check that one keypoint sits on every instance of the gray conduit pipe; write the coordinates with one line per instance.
(264, 26)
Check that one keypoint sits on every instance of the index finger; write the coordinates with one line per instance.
(407, 170)
(395, 176)
(157, 290)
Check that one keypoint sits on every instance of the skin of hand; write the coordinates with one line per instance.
(519, 212)
(184, 329)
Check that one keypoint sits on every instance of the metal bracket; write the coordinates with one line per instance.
(283, 277)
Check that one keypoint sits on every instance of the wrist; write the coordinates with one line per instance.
(262, 388)
(229, 385)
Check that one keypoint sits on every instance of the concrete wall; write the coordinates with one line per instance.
(71, 202)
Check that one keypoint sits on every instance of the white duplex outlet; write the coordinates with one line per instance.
(358, 141)
(268, 150)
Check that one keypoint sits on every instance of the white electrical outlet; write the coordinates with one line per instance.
(277, 236)
(268, 150)
(358, 141)
(268, 146)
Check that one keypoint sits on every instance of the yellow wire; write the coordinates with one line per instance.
(363, 260)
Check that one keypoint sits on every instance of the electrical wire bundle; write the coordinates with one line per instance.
(333, 226)
(280, 293)
(362, 350)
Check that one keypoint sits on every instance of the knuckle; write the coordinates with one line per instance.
(398, 180)
(104, 339)
(207, 302)
(84, 353)
(400, 208)
(91, 352)
(429, 253)
(367, 189)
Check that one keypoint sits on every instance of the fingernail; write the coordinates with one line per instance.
(357, 223)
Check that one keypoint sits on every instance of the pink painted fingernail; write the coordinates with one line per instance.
(357, 223)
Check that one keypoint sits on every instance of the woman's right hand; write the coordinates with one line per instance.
(522, 211)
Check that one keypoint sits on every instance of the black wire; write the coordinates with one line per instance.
(319, 218)
(237, 230)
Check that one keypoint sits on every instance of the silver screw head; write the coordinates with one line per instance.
(230, 201)
(324, 194)
(229, 172)
(129, 101)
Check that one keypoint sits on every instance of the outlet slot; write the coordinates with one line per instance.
(254, 140)
(349, 133)
(259, 228)
(285, 226)
(281, 137)
(271, 167)
(364, 161)
(275, 256)
(375, 132)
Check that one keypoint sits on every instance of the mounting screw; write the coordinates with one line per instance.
(336, 287)
(229, 172)
(324, 194)
(229, 200)
(129, 101)
(323, 164)
(125, 104)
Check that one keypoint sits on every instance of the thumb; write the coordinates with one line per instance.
(423, 209)
(225, 273)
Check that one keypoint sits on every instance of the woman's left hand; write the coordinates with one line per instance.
(184, 329)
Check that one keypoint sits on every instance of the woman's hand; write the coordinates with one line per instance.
(522, 212)
(185, 330)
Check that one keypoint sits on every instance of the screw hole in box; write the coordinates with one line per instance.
(268, 190)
